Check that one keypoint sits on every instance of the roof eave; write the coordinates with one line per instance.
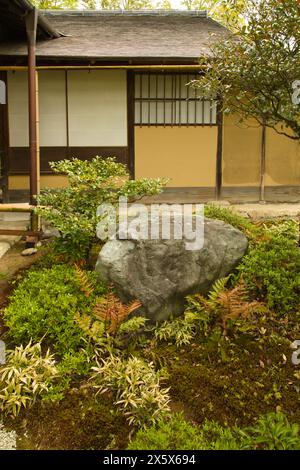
(45, 29)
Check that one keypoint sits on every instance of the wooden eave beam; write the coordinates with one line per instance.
(22, 68)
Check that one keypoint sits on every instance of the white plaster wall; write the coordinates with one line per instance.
(52, 109)
(97, 108)
(18, 108)
(52, 104)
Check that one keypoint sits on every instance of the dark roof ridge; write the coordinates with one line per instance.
(158, 12)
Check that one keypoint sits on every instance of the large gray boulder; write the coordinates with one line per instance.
(161, 273)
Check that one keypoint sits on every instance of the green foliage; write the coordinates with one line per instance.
(73, 365)
(288, 229)
(225, 306)
(126, 4)
(221, 309)
(168, 434)
(102, 4)
(108, 323)
(253, 71)
(271, 432)
(271, 268)
(217, 437)
(26, 375)
(55, 4)
(178, 434)
(228, 12)
(181, 330)
(136, 387)
(228, 216)
(95, 330)
(73, 209)
(271, 271)
(44, 304)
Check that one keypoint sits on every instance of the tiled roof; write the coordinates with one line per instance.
(120, 35)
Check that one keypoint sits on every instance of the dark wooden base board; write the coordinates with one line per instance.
(18, 157)
(273, 194)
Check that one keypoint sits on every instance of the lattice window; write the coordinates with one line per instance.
(165, 99)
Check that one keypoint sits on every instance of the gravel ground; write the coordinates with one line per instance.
(268, 211)
(7, 439)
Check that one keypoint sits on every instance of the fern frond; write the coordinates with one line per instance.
(85, 284)
(113, 312)
(93, 329)
(217, 288)
(224, 304)
(132, 325)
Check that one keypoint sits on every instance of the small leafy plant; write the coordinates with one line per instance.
(225, 306)
(181, 330)
(113, 312)
(169, 433)
(136, 387)
(26, 375)
(73, 209)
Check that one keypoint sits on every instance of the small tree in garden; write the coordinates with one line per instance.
(73, 209)
(255, 71)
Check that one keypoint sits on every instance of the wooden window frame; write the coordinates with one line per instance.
(176, 111)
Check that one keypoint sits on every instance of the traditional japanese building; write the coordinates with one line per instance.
(114, 83)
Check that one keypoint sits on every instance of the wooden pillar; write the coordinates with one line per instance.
(219, 163)
(130, 123)
(263, 164)
(31, 21)
(4, 139)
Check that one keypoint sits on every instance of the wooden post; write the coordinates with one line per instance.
(130, 123)
(31, 21)
(219, 164)
(4, 140)
(263, 164)
(31, 29)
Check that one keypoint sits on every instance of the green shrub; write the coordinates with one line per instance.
(271, 271)
(271, 268)
(222, 307)
(271, 432)
(72, 210)
(72, 365)
(238, 221)
(169, 434)
(136, 387)
(44, 304)
(177, 434)
(283, 228)
(111, 321)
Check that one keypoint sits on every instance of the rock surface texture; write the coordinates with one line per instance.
(161, 273)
